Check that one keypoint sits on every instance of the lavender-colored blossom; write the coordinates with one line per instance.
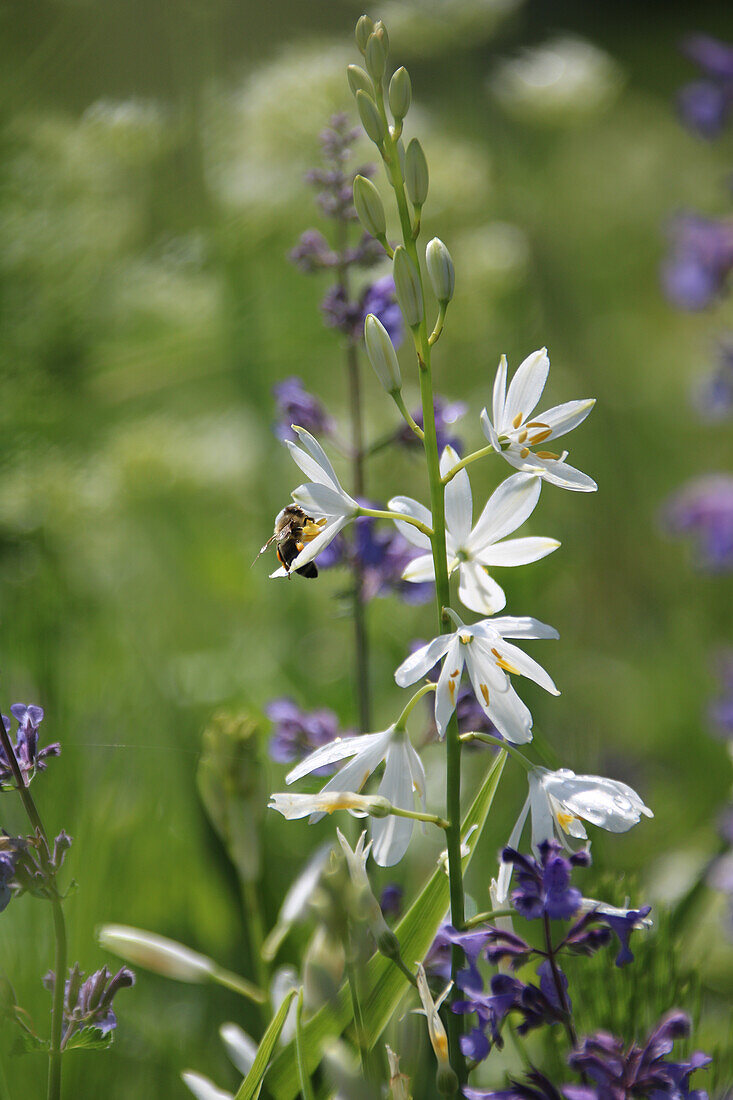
(705, 105)
(27, 753)
(696, 272)
(714, 395)
(390, 900)
(313, 253)
(347, 315)
(703, 509)
(535, 1087)
(296, 406)
(297, 732)
(543, 886)
(11, 850)
(447, 413)
(505, 946)
(622, 925)
(382, 554)
(88, 1002)
(530, 1002)
(636, 1072)
(381, 300)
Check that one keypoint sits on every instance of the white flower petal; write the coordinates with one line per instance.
(417, 771)
(478, 591)
(607, 803)
(543, 819)
(320, 542)
(510, 716)
(340, 749)
(421, 569)
(489, 431)
(314, 448)
(419, 663)
(563, 418)
(517, 551)
(203, 1088)
(526, 666)
(355, 773)
(458, 500)
(520, 626)
(525, 389)
(409, 507)
(567, 477)
(505, 869)
(506, 509)
(321, 500)
(448, 681)
(391, 835)
(241, 1047)
(499, 394)
(280, 572)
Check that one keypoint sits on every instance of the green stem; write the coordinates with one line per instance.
(417, 815)
(377, 513)
(435, 334)
(489, 739)
(399, 402)
(401, 722)
(492, 914)
(482, 453)
(59, 924)
(238, 985)
(362, 1040)
(442, 592)
(256, 931)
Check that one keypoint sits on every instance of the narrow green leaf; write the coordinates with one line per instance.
(385, 984)
(306, 1088)
(250, 1087)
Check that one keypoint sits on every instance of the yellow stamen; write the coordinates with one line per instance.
(517, 420)
(452, 690)
(455, 672)
(524, 452)
(546, 454)
(538, 424)
(485, 693)
(566, 820)
(541, 436)
(505, 664)
(522, 436)
(465, 638)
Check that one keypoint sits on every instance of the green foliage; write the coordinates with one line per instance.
(252, 1085)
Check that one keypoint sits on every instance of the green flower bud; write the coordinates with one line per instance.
(388, 944)
(407, 285)
(416, 173)
(364, 27)
(382, 354)
(369, 207)
(440, 269)
(446, 1080)
(381, 32)
(400, 93)
(376, 58)
(359, 80)
(370, 117)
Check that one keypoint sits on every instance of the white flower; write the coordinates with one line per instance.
(481, 646)
(514, 430)
(321, 498)
(471, 549)
(203, 1088)
(156, 953)
(404, 776)
(293, 806)
(436, 1030)
(241, 1047)
(560, 801)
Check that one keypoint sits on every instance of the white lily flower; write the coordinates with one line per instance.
(404, 777)
(514, 430)
(489, 658)
(322, 498)
(560, 801)
(292, 806)
(471, 549)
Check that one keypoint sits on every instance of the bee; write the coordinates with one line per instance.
(293, 529)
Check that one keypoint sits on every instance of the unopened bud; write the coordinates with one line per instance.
(156, 953)
(359, 80)
(416, 173)
(381, 32)
(400, 93)
(440, 269)
(382, 354)
(370, 117)
(388, 944)
(407, 286)
(446, 1080)
(364, 27)
(369, 208)
(376, 58)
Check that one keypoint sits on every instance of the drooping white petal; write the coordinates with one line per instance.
(607, 803)
(506, 509)
(510, 716)
(340, 749)
(281, 571)
(558, 472)
(517, 551)
(241, 1047)
(391, 835)
(420, 569)
(520, 626)
(417, 771)
(478, 591)
(525, 389)
(563, 418)
(499, 394)
(312, 549)
(419, 663)
(489, 431)
(458, 499)
(448, 681)
(505, 869)
(322, 500)
(409, 507)
(355, 773)
(203, 1088)
(543, 819)
(314, 448)
(526, 666)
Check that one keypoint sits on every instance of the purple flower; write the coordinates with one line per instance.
(29, 757)
(701, 258)
(296, 406)
(11, 849)
(446, 415)
(297, 733)
(313, 253)
(390, 901)
(705, 104)
(88, 1003)
(543, 886)
(622, 1074)
(714, 396)
(380, 299)
(535, 1087)
(505, 946)
(534, 1005)
(703, 508)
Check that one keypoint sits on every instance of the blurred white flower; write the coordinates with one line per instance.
(203, 1088)
(156, 953)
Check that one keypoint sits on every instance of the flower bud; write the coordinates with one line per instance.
(440, 269)
(381, 32)
(359, 80)
(364, 27)
(407, 285)
(369, 208)
(416, 173)
(446, 1080)
(370, 117)
(155, 953)
(382, 354)
(400, 93)
(376, 58)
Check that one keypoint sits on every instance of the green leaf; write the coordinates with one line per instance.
(384, 982)
(252, 1084)
(26, 1042)
(90, 1038)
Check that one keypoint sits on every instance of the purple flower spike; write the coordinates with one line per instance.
(88, 1003)
(543, 886)
(535, 1087)
(703, 509)
(296, 406)
(297, 732)
(696, 272)
(637, 1071)
(29, 757)
(380, 299)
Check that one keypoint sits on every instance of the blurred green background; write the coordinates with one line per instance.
(151, 186)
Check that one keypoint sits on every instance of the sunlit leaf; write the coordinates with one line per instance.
(252, 1084)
